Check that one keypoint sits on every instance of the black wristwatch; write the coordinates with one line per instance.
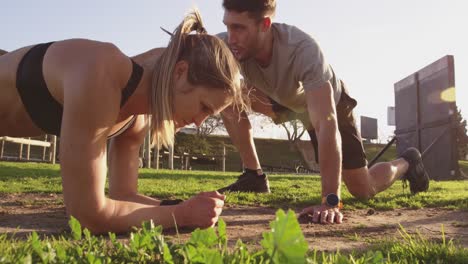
(332, 200)
(170, 202)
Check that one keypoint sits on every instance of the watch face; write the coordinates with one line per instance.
(332, 200)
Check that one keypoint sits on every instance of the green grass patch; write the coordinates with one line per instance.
(288, 190)
(463, 166)
(285, 243)
(373, 149)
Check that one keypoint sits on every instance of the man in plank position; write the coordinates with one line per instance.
(290, 79)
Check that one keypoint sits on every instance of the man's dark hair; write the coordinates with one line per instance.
(257, 9)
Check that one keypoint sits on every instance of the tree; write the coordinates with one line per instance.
(210, 125)
(192, 144)
(2, 52)
(461, 135)
(295, 125)
(294, 130)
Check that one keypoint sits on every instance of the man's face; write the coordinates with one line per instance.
(244, 34)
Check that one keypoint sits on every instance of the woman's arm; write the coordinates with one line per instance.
(123, 164)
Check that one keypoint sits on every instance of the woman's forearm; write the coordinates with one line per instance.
(121, 216)
(202, 210)
(138, 198)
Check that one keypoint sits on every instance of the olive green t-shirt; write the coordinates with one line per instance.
(297, 65)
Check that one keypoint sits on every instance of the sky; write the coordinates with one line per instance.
(370, 44)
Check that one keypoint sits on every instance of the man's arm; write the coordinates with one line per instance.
(239, 129)
(322, 112)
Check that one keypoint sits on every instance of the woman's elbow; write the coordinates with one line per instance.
(95, 220)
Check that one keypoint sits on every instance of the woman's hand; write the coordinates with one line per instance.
(201, 210)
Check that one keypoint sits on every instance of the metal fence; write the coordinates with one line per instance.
(425, 117)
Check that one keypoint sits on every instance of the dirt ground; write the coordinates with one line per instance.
(23, 213)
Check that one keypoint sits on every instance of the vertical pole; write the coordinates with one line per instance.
(54, 149)
(182, 159)
(171, 158)
(156, 156)
(141, 153)
(28, 150)
(20, 152)
(44, 149)
(418, 113)
(224, 158)
(148, 150)
(187, 162)
(1, 151)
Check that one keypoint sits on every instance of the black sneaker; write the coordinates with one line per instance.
(416, 175)
(249, 181)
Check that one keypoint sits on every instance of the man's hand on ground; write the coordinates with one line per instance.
(322, 214)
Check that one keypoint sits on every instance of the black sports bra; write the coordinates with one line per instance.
(44, 110)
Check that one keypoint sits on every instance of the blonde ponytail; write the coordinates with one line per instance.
(210, 63)
(161, 99)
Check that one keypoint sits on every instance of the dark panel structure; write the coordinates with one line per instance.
(369, 127)
(391, 116)
(425, 117)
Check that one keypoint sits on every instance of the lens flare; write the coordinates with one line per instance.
(448, 95)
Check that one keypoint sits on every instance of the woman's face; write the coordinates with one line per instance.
(194, 103)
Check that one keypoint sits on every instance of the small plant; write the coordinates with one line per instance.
(285, 243)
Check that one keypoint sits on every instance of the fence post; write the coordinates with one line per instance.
(187, 162)
(44, 149)
(53, 149)
(1, 151)
(148, 150)
(156, 156)
(20, 155)
(224, 158)
(28, 150)
(171, 158)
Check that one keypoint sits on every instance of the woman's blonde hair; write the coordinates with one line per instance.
(211, 64)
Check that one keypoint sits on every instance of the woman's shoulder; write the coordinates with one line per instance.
(89, 57)
(88, 50)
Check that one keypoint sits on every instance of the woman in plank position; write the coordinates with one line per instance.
(88, 92)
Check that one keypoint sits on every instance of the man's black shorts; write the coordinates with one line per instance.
(353, 153)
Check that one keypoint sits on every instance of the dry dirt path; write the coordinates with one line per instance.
(45, 214)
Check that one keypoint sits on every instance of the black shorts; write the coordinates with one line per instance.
(352, 149)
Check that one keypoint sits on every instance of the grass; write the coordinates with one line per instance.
(287, 190)
(463, 166)
(283, 244)
(373, 149)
